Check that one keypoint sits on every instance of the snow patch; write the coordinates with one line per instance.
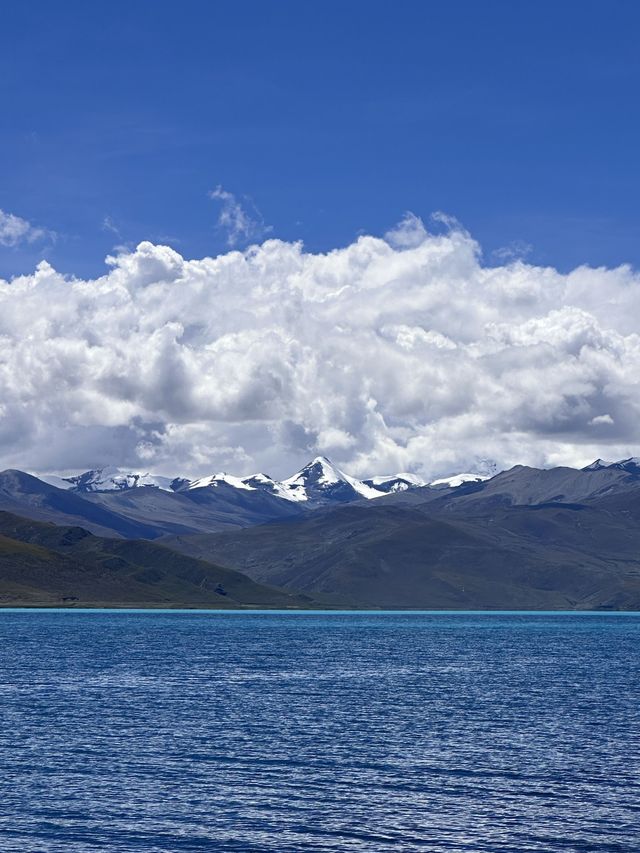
(113, 480)
(214, 480)
(458, 479)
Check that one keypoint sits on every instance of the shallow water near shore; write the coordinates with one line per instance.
(266, 731)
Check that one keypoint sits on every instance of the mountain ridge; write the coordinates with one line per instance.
(318, 470)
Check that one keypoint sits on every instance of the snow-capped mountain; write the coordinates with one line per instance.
(261, 483)
(631, 465)
(111, 480)
(390, 483)
(457, 480)
(264, 483)
(318, 483)
(321, 482)
(215, 480)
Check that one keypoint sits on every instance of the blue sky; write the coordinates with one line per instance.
(329, 119)
(166, 134)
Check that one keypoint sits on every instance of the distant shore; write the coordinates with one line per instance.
(100, 606)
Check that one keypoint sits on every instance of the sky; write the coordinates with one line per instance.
(236, 235)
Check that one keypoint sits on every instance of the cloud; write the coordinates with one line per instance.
(601, 420)
(408, 233)
(109, 225)
(403, 353)
(517, 249)
(240, 225)
(14, 230)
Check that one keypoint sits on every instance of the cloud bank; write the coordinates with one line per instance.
(402, 353)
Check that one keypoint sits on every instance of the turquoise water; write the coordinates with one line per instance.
(194, 731)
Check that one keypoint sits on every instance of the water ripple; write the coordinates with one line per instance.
(172, 732)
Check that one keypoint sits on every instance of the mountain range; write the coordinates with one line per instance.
(320, 481)
(112, 501)
(523, 538)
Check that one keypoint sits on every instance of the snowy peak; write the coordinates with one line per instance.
(598, 465)
(457, 480)
(319, 470)
(631, 465)
(402, 482)
(215, 480)
(321, 481)
(390, 483)
(264, 483)
(113, 480)
(254, 483)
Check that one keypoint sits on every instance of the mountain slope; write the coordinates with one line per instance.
(518, 486)
(397, 555)
(522, 485)
(46, 564)
(28, 496)
(205, 509)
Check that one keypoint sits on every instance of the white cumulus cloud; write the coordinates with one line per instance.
(403, 353)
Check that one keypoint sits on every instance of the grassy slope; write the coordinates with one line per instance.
(45, 564)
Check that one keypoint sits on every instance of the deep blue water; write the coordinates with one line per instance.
(129, 731)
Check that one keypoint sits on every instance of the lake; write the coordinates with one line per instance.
(204, 731)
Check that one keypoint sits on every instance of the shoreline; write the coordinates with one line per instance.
(128, 608)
